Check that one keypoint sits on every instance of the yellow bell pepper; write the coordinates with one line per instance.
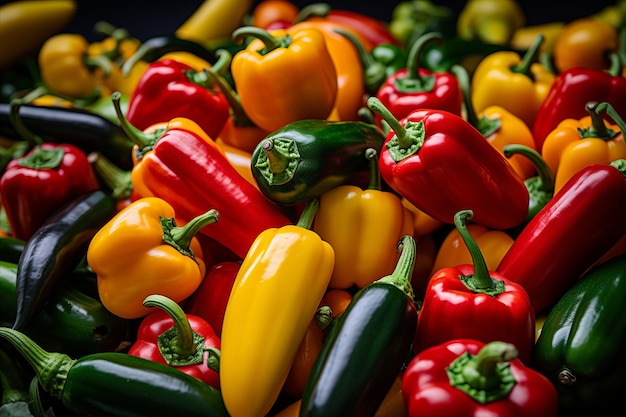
(284, 75)
(492, 243)
(525, 81)
(67, 69)
(490, 21)
(141, 251)
(363, 227)
(276, 293)
(524, 37)
(576, 143)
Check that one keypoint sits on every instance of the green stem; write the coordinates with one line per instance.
(313, 10)
(605, 107)
(51, 368)
(374, 72)
(546, 177)
(99, 61)
(279, 160)
(403, 272)
(182, 344)
(484, 376)
(271, 42)
(118, 34)
(17, 122)
(180, 236)
(308, 213)
(529, 58)
(620, 165)
(117, 179)
(617, 65)
(480, 281)
(375, 182)
(144, 141)
(413, 58)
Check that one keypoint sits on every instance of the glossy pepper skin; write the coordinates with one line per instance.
(284, 75)
(572, 90)
(569, 234)
(366, 349)
(415, 87)
(275, 296)
(193, 174)
(171, 88)
(306, 158)
(112, 384)
(466, 377)
(574, 144)
(526, 81)
(442, 164)
(363, 227)
(141, 251)
(581, 342)
(477, 303)
(180, 340)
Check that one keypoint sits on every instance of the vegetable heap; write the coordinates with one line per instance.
(285, 210)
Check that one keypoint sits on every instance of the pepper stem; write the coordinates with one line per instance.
(278, 160)
(480, 281)
(117, 179)
(179, 345)
(320, 9)
(620, 165)
(374, 72)
(605, 107)
(545, 175)
(271, 42)
(401, 275)
(17, 122)
(484, 376)
(180, 237)
(308, 213)
(51, 368)
(529, 58)
(413, 81)
(145, 141)
(375, 182)
(407, 140)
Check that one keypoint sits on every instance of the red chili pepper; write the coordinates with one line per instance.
(466, 378)
(210, 298)
(34, 186)
(475, 303)
(569, 234)
(442, 164)
(184, 341)
(169, 89)
(572, 89)
(416, 87)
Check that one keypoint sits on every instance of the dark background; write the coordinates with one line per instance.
(146, 19)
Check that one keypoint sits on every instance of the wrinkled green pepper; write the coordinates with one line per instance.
(583, 340)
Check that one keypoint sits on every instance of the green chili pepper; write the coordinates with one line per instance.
(113, 384)
(308, 157)
(583, 340)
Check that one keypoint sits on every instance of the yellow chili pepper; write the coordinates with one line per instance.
(490, 21)
(276, 293)
(141, 251)
(586, 43)
(363, 227)
(576, 143)
(492, 243)
(66, 67)
(525, 81)
(283, 76)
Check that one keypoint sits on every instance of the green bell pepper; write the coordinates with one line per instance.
(583, 339)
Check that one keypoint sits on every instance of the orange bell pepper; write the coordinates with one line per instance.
(493, 245)
(302, 364)
(576, 143)
(284, 75)
(141, 251)
(337, 299)
(423, 223)
(363, 226)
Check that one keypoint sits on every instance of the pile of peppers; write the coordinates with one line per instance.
(283, 210)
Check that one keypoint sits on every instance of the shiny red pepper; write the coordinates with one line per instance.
(416, 87)
(467, 378)
(184, 341)
(475, 303)
(169, 89)
(442, 164)
(34, 186)
(572, 89)
(210, 299)
(569, 234)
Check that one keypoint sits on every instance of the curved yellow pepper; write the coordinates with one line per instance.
(276, 293)
(524, 94)
(141, 251)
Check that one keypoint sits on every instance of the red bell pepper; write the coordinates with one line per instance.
(210, 299)
(468, 378)
(442, 164)
(194, 175)
(184, 341)
(416, 87)
(475, 303)
(573, 89)
(169, 89)
(569, 234)
(34, 186)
